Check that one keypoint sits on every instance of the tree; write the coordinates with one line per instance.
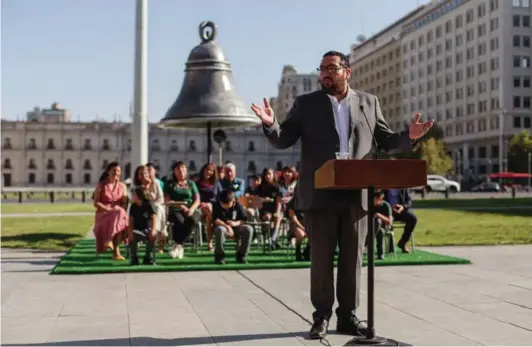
(434, 153)
(520, 146)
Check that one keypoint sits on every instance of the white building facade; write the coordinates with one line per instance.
(467, 64)
(72, 154)
(293, 84)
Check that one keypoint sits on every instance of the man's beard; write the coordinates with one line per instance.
(336, 88)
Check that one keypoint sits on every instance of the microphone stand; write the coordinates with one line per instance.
(371, 339)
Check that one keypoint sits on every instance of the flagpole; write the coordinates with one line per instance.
(139, 128)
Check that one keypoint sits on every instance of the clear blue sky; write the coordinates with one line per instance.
(80, 52)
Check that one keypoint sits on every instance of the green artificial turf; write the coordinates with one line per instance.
(82, 260)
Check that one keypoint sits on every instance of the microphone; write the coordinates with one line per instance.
(361, 107)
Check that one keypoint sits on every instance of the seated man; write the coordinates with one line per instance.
(401, 203)
(230, 182)
(229, 221)
(383, 221)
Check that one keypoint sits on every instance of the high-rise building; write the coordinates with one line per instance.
(292, 85)
(376, 68)
(467, 64)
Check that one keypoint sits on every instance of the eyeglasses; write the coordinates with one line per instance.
(329, 69)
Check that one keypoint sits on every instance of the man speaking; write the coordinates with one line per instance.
(336, 119)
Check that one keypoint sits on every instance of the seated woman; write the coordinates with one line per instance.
(206, 183)
(142, 224)
(145, 180)
(270, 194)
(181, 194)
(111, 220)
(297, 225)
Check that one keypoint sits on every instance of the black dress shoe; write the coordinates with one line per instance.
(319, 329)
(351, 326)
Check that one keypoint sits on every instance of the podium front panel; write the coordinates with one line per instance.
(379, 173)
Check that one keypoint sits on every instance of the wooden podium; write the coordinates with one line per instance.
(371, 174)
(354, 174)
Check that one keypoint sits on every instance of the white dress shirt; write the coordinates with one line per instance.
(341, 111)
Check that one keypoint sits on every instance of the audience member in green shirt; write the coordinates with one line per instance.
(383, 221)
(181, 194)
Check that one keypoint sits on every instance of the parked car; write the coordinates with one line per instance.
(487, 187)
(437, 183)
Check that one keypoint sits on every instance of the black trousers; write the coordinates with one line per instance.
(327, 228)
(141, 238)
(409, 218)
(182, 225)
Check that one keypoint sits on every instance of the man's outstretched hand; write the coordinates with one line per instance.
(265, 114)
(419, 129)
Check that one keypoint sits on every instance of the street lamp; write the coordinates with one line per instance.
(529, 169)
(459, 165)
(219, 137)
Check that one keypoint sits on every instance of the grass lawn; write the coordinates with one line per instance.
(436, 227)
(439, 227)
(56, 233)
(48, 207)
(418, 202)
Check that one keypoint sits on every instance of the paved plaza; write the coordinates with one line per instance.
(487, 303)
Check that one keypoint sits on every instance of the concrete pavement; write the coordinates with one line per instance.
(487, 303)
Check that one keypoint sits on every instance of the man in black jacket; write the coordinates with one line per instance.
(401, 203)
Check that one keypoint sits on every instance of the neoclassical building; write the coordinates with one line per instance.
(44, 153)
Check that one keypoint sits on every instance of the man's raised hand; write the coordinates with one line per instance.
(265, 114)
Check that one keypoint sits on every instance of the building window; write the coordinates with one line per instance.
(192, 145)
(87, 178)
(252, 167)
(517, 122)
(228, 146)
(68, 178)
(50, 144)
(173, 146)
(32, 144)
(32, 165)
(251, 146)
(31, 178)
(87, 165)
(7, 143)
(50, 178)
(106, 145)
(87, 144)
(68, 164)
(7, 164)
(50, 165)
(69, 145)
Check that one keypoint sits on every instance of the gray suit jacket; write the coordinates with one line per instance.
(311, 120)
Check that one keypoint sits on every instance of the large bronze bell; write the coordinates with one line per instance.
(208, 98)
